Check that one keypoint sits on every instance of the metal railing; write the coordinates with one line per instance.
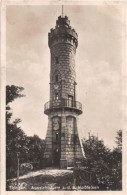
(62, 103)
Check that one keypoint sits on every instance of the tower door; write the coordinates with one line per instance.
(56, 156)
(70, 100)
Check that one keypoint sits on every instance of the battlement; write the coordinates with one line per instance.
(63, 21)
(62, 33)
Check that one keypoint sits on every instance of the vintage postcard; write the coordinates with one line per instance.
(63, 97)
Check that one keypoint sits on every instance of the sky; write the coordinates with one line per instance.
(98, 66)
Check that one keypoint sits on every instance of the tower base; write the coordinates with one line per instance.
(63, 146)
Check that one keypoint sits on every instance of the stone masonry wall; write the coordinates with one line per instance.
(66, 67)
(71, 146)
(63, 41)
(48, 146)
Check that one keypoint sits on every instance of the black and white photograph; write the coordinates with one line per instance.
(65, 111)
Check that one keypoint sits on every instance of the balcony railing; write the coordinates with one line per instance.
(63, 103)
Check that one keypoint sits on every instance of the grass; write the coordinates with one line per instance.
(43, 183)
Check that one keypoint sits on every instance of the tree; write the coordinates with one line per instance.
(116, 161)
(15, 137)
(119, 140)
(97, 155)
(36, 149)
(13, 92)
(104, 165)
(30, 148)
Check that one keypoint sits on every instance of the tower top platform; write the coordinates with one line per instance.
(62, 32)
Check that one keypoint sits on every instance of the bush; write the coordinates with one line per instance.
(25, 168)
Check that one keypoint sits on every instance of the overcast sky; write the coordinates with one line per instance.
(98, 66)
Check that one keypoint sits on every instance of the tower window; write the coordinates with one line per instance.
(57, 60)
(56, 78)
(56, 96)
(70, 100)
(57, 136)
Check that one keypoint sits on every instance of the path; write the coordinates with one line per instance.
(45, 172)
(45, 179)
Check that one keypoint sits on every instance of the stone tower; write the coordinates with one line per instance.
(63, 146)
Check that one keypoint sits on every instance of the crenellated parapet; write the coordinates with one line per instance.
(62, 33)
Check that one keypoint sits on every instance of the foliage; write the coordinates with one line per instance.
(12, 93)
(36, 147)
(25, 168)
(103, 165)
(119, 140)
(18, 144)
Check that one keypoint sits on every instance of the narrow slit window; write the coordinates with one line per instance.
(56, 96)
(57, 60)
(56, 78)
(57, 136)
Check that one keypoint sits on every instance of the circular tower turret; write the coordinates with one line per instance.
(63, 41)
